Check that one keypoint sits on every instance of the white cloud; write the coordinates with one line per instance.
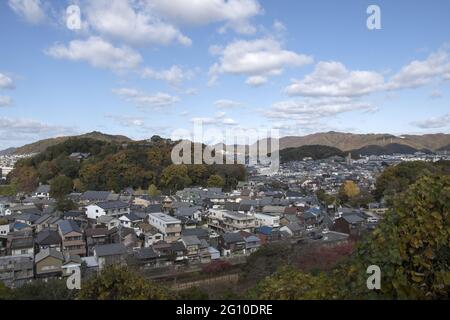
(27, 129)
(226, 104)
(315, 109)
(6, 82)
(31, 10)
(256, 81)
(234, 13)
(261, 57)
(132, 22)
(5, 101)
(434, 123)
(218, 119)
(279, 26)
(142, 100)
(422, 72)
(98, 53)
(191, 91)
(333, 79)
(128, 121)
(174, 76)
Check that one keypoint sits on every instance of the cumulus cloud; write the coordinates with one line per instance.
(333, 79)
(234, 13)
(434, 123)
(5, 101)
(6, 82)
(98, 53)
(314, 109)
(226, 104)
(174, 76)
(256, 81)
(143, 100)
(260, 57)
(131, 22)
(422, 72)
(30, 10)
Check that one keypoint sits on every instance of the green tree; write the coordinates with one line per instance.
(175, 177)
(153, 191)
(194, 293)
(120, 283)
(60, 187)
(216, 181)
(290, 284)
(5, 292)
(43, 290)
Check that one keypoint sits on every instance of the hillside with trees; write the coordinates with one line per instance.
(116, 166)
(316, 152)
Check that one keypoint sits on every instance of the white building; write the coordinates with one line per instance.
(108, 208)
(268, 220)
(167, 225)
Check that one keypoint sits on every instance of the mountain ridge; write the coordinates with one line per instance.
(344, 141)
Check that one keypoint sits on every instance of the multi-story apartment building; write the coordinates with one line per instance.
(167, 225)
(16, 271)
(229, 221)
(72, 238)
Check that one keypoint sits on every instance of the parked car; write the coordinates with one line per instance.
(372, 220)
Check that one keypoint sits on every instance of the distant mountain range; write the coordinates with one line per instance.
(318, 152)
(350, 141)
(357, 144)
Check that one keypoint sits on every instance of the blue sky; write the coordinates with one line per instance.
(145, 67)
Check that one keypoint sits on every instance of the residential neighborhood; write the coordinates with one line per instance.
(194, 226)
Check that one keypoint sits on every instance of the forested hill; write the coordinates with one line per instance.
(316, 152)
(42, 145)
(319, 152)
(116, 166)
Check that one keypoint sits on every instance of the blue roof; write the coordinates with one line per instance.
(265, 230)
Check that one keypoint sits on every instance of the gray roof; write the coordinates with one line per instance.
(31, 217)
(43, 219)
(294, 227)
(133, 217)
(110, 249)
(186, 211)
(199, 232)
(67, 226)
(233, 237)
(153, 208)
(191, 240)
(49, 252)
(353, 218)
(48, 237)
(112, 205)
(145, 253)
(95, 195)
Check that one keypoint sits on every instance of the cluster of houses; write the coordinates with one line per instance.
(193, 226)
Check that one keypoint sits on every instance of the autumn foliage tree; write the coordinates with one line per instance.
(120, 283)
